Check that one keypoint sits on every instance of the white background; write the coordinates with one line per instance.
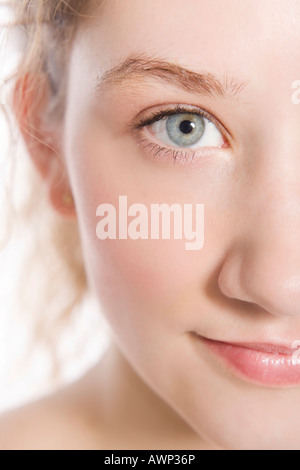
(88, 330)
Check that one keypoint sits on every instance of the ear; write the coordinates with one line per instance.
(43, 139)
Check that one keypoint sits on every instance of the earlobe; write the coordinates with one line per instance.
(60, 193)
(61, 199)
(30, 102)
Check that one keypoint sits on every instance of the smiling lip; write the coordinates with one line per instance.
(270, 365)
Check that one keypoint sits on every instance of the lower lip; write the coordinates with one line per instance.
(262, 367)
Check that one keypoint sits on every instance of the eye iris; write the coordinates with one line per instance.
(185, 129)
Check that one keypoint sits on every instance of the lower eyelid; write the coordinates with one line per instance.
(165, 155)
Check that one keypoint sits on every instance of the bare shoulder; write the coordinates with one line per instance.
(63, 420)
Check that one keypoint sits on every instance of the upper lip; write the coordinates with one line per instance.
(266, 347)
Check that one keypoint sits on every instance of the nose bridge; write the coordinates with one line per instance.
(273, 155)
(274, 180)
(274, 209)
(262, 265)
(274, 203)
(265, 268)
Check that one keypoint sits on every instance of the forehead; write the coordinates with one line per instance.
(217, 34)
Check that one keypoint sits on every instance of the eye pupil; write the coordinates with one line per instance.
(187, 127)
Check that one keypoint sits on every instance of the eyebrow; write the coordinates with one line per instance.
(136, 67)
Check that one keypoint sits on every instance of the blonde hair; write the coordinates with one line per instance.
(53, 283)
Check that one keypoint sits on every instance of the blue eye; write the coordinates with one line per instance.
(187, 130)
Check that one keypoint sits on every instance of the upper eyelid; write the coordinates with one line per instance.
(159, 116)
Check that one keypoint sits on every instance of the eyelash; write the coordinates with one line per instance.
(179, 156)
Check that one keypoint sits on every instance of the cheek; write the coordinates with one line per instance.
(141, 279)
(128, 275)
(142, 282)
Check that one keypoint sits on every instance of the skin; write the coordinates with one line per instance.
(156, 387)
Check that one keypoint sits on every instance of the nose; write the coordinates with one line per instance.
(263, 264)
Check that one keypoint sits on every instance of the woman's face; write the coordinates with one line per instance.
(241, 161)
